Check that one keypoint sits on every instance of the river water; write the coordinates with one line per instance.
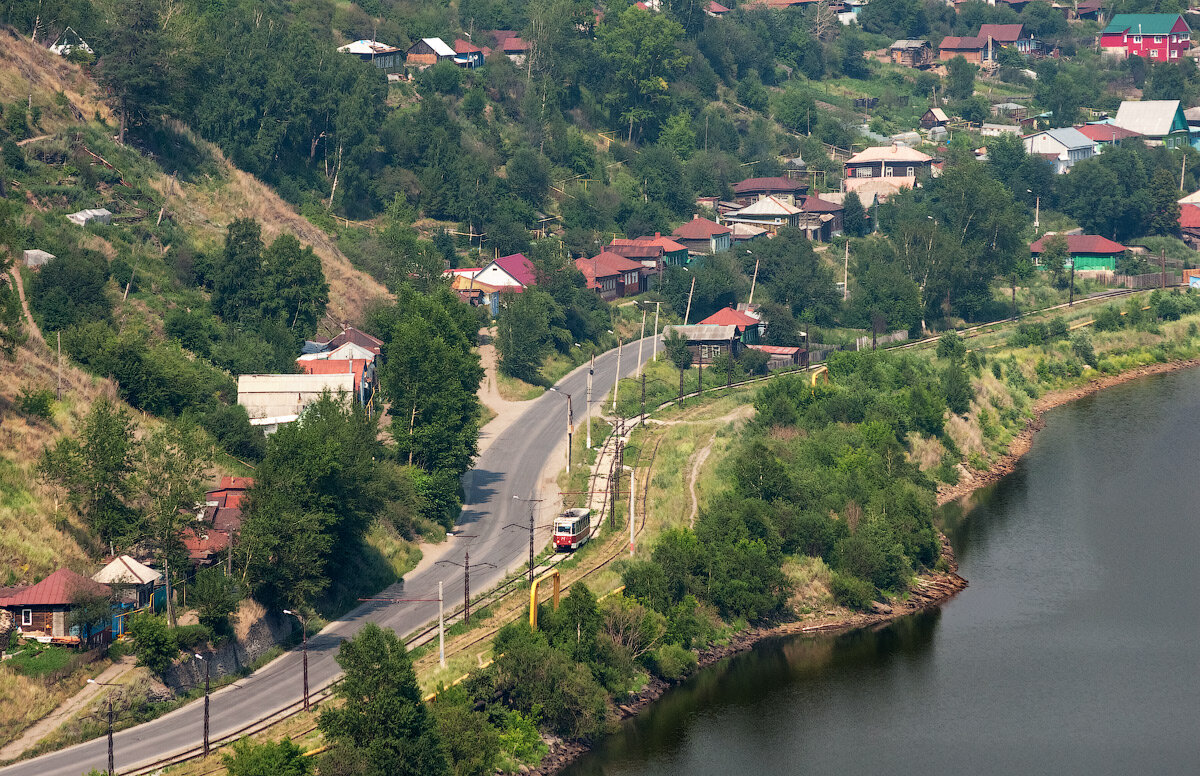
(1075, 650)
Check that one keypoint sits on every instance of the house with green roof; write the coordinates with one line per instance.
(1161, 37)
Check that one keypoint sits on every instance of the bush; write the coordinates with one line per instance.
(39, 404)
(951, 346)
(153, 642)
(270, 758)
(852, 592)
(188, 637)
(1081, 346)
(672, 662)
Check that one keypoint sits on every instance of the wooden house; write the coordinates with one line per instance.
(708, 341)
(1087, 251)
(787, 189)
(894, 161)
(783, 356)
(750, 329)
(611, 275)
(911, 53)
(1159, 37)
(703, 236)
(934, 117)
(385, 57)
(43, 611)
(969, 48)
(429, 51)
(134, 586)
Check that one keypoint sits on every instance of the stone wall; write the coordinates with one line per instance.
(256, 633)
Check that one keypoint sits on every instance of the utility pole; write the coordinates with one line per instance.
(846, 274)
(617, 377)
(531, 502)
(58, 334)
(1162, 258)
(587, 410)
(616, 479)
(641, 340)
(441, 627)
(643, 420)
(688, 313)
(412, 422)
(466, 566)
(112, 771)
(753, 283)
(657, 306)
(700, 374)
(1071, 296)
(303, 650)
(207, 675)
(632, 498)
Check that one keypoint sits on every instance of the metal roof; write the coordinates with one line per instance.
(1068, 137)
(439, 47)
(1142, 23)
(124, 570)
(703, 332)
(62, 588)
(892, 153)
(1153, 118)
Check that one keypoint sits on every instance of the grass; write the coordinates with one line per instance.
(26, 699)
(514, 389)
(36, 659)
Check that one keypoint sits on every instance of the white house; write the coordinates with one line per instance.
(1063, 147)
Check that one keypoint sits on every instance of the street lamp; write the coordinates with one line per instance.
(207, 675)
(570, 424)
(1037, 211)
(111, 770)
(304, 649)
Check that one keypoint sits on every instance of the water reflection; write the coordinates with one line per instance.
(1073, 651)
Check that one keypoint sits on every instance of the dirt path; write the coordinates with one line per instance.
(68, 708)
(34, 331)
(697, 465)
(29, 140)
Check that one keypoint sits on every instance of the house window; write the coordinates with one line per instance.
(709, 352)
(1137, 38)
(1174, 53)
(887, 172)
(27, 617)
(1158, 39)
(911, 172)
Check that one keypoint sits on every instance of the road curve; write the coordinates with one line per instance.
(510, 467)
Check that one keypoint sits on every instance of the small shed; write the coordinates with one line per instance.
(93, 214)
(783, 356)
(911, 53)
(934, 117)
(708, 341)
(35, 258)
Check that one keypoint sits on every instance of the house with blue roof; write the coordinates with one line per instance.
(1064, 147)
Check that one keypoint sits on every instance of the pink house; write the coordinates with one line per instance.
(1159, 36)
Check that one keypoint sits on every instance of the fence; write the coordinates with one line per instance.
(73, 664)
(864, 342)
(1148, 280)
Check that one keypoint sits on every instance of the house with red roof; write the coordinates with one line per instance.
(1007, 35)
(715, 9)
(43, 611)
(349, 335)
(514, 272)
(1189, 224)
(1106, 134)
(749, 328)
(469, 55)
(969, 48)
(1087, 251)
(612, 275)
(702, 236)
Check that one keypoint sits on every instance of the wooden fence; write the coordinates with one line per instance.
(1148, 280)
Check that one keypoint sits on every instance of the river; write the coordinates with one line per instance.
(1075, 650)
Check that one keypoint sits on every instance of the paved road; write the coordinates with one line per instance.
(511, 466)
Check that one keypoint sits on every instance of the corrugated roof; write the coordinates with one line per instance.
(1082, 243)
(892, 153)
(1152, 118)
(466, 47)
(776, 183)
(1189, 217)
(349, 366)
(367, 48)
(778, 350)
(703, 332)
(439, 47)
(124, 570)
(699, 229)
(908, 44)
(715, 7)
(519, 267)
(1068, 137)
(730, 317)
(250, 384)
(814, 204)
(606, 264)
(61, 588)
(1142, 23)
(1004, 33)
(767, 206)
(1106, 133)
(960, 43)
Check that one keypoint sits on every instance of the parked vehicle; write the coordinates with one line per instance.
(572, 529)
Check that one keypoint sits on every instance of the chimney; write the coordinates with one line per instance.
(657, 235)
(695, 216)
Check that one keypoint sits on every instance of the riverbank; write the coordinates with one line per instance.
(972, 480)
(932, 589)
(928, 591)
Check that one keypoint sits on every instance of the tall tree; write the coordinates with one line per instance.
(961, 76)
(135, 67)
(383, 727)
(172, 462)
(96, 471)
